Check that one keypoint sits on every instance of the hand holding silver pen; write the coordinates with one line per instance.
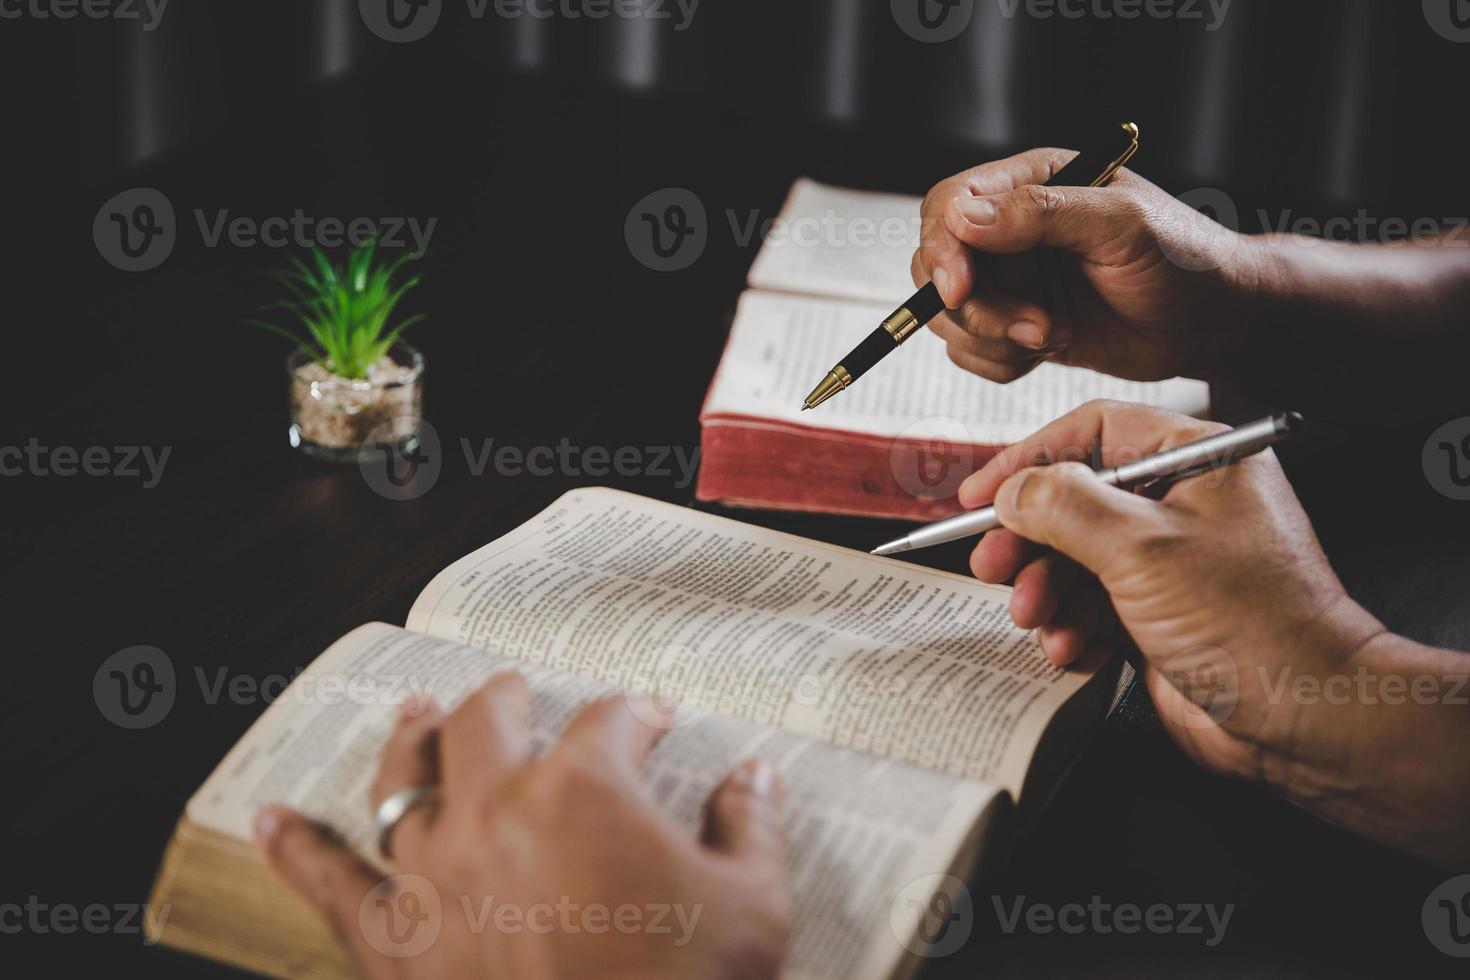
(1179, 463)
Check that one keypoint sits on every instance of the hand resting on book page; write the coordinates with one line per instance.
(569, 843)
(1259, 663)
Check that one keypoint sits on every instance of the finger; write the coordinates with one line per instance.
(617, 732)
(1039, 589)
(1000, 555)
(1076, 628)
(1009, 325)
(943, 260)
(1066, 507)
(411, 755)
(487, 738)
(1102, 224)
(324, 873)
(410, 758)
(1127, 432)
(1063, 643)
(1035, 166)
(743, 816)
(942, 257)
(1001, 372)
(949, 328)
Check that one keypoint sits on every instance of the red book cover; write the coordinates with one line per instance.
(748, 462)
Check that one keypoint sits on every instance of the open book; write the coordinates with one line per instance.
(903, 709)
(900, 441)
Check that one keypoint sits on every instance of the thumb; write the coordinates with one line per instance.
(1066, 507)
(743, 819)
(326, 875)
(1095, 222)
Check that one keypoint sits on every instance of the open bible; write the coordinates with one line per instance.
(904, 711)
(900, 441)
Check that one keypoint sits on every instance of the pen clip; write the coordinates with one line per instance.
(1112, 171)
(1170, 480)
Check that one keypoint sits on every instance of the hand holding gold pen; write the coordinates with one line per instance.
(1093, 167)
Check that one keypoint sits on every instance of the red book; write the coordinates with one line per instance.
(899, 442)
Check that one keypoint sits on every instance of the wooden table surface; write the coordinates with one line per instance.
(246, 561)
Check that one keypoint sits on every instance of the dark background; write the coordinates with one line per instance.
(529, 141)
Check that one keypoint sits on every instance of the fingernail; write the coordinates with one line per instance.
(964, 494)
(414, 705)
(1028, 334)
(979, 211)
(763, 779)
(941, 282)
(658, 710)
(1061, 335)
(1010, 492)
(266, 825)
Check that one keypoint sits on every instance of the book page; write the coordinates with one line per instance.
(906, 663)
(781, 345)
(835, 242)
(860, 830)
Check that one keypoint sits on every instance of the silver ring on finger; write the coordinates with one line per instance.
(390, 812)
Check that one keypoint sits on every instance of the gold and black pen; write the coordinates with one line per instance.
(1101, 162)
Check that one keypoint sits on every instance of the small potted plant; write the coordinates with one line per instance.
(353, 383)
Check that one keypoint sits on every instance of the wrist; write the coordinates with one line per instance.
(1251, 281)
(1312, 754)
(1380, 753)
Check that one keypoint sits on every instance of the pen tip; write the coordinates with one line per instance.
(806, 408)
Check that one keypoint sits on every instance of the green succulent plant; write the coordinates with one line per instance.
(346, 310)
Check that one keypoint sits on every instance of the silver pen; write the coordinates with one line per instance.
(1171, 465)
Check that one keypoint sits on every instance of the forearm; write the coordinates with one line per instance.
(1379, 746)
(1348, 329)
